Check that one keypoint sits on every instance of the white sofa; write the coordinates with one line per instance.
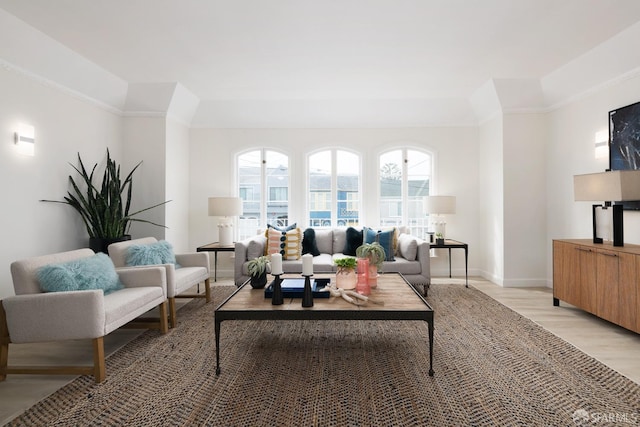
(331, 243)
(36, 316)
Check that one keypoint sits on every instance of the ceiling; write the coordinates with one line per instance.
(343, 63)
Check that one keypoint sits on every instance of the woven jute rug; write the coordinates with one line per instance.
(492, 367)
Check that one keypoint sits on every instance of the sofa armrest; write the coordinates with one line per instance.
(242, 252)
(55, 316)
(194, 259)
(424, 257)
(140, 276)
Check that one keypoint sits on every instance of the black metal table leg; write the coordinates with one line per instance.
(217, 327)
(431, 348)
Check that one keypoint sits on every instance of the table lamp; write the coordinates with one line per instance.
(225, 208)
(439, 205)
(609, 186)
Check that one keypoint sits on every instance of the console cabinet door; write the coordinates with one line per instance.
(627, 291)
(607, 285)
(588, 278)
(566, 273)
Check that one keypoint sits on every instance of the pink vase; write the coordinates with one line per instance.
(362, 286)
(373, 276)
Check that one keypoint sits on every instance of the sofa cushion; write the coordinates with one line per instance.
(407, 247)
(95, 272)
(385, 238)
(286, 243)
(309, 245)
(150, 254)
(324, 240)
(257, 247)
(354, 240)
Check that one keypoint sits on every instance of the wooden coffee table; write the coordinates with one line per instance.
(401, 302)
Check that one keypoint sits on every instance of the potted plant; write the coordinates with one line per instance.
(439, 239)
(104, 208)
(374, 252)
(258, 269)
(346, 274)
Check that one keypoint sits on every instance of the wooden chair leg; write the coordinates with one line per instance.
(172, 313)
(99, 364)
(4, 344)
(164, 323)
(207, 289)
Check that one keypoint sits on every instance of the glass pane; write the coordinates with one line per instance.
(418, 181)
(391, 188)
(320, 189)
(249, 173)
(277, 175)
(348, 186)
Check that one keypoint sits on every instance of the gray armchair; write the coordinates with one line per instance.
(194, 269)
(36, 316)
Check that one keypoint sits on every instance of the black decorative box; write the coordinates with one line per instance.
(294, 288)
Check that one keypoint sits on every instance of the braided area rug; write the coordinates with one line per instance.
(492, 367)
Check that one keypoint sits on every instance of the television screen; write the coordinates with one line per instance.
(624, 142)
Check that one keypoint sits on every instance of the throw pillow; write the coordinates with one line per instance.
(385, 238)
(309, 245)
(354, 240)
(287, 243)
(287, 228)
(95, 272)
(155, 253)
(407, 247)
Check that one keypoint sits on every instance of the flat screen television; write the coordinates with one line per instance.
(624, 142)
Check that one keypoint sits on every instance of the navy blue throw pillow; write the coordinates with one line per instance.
(354, 240)
(309, 245)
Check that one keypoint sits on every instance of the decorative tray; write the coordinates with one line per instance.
(294, 288)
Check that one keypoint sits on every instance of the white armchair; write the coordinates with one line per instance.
(194, 269)
(36, 316)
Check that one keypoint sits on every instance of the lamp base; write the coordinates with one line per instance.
(225, 234)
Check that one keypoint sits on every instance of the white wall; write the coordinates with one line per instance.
(213, 174)
(145, 141)
(64, 125)
(570, 151)
(177, 185)
(491, 200)
(524, 186)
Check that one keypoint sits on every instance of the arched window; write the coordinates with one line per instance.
(263, 186)
(333, 188)
(405, 178)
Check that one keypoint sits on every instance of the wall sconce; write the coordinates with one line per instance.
(25, 139)
(225, 207)
(617, 186)
(602, 144)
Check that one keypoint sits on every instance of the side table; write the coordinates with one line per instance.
(215, 248)
(454, 244)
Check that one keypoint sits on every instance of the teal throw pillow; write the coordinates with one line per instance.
(385, 238)
(95, 272)
(155, 253)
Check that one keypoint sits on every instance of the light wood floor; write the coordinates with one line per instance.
(612, 345)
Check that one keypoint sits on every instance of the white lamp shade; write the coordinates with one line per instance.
(439, 204)
(225, 206)
(614, 186)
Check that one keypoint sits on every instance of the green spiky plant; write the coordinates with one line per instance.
(104, 210)
(374, 252)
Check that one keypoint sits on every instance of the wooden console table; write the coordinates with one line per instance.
(601, 279)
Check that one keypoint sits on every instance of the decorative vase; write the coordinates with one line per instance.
(100, 244)
(346, 278)
(362, 285)
(373, 276)
(258, 282)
